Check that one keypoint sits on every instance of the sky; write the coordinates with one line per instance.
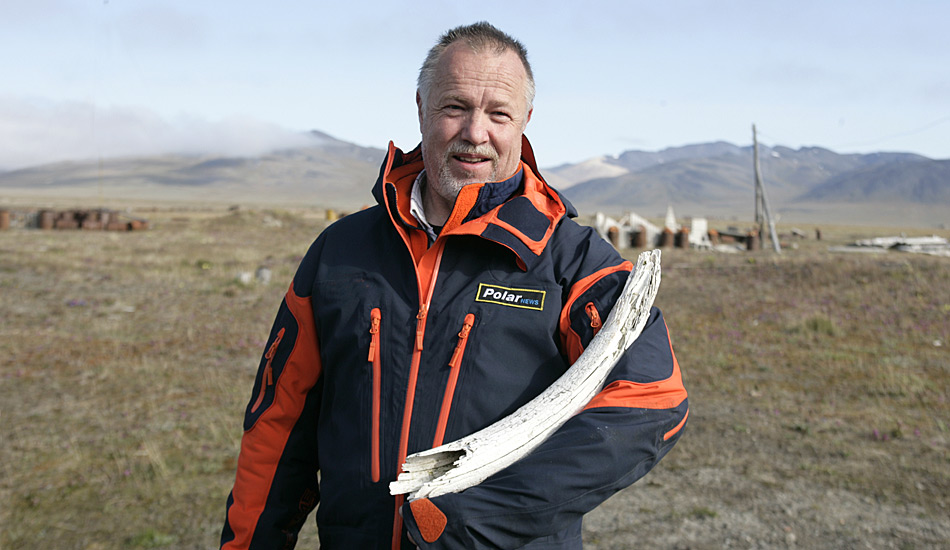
(88, 79)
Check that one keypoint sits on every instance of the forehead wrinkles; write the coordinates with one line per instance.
(479, 89)
(498, 76)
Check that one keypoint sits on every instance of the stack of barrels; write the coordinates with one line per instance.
(94, 219)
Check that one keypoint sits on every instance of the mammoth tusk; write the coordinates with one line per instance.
(468, 461)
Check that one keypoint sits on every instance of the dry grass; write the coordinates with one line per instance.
(834, 367)
(128, 360)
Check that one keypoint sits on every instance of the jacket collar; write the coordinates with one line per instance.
(521, 218)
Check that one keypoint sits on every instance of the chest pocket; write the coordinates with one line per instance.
(510, 356)
(361, 328)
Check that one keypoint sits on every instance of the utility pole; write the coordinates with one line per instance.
(761, 201)
(759, 222)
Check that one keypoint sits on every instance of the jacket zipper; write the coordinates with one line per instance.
(267, 378)
(594, 315)
(374, 358)
(421, 325)
(425, 296)
(454, 363)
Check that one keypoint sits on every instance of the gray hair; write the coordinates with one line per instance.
(480, 36)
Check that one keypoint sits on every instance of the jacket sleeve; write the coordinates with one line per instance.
(276, 484)
(621, 434)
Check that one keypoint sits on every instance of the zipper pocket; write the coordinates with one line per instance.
(267, 377)
(454, 364)
(374, 358)
(463, 339)
(594, 315)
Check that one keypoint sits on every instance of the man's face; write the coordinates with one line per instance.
(473, 119)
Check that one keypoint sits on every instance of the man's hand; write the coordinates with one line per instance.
(408, 534)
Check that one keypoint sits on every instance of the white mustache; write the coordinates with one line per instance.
(486, 151)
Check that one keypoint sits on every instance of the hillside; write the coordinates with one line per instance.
(810, 184)
(329, 172)
(912, 180)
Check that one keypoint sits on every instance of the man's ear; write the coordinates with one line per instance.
(419, 106)
(528, 118)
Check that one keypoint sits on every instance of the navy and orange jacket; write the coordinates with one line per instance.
(387, 344)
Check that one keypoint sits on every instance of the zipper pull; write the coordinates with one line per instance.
(267, 378)
(374, 331)
(463, 337)
(420, 325)
(268, 375)
(594, 316)
(273, 347)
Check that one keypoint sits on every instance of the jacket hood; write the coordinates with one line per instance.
(522, 222)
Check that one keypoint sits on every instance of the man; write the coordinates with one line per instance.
(465, 292)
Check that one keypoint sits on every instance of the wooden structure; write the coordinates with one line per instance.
(763, 213)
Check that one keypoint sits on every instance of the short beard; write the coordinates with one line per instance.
(449, 185)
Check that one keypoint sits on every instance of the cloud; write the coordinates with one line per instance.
(160, 27)
(38, 12)
(38, 131)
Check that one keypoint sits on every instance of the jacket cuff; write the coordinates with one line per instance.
(426, 519)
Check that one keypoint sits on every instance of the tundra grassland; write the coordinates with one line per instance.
(818, 387)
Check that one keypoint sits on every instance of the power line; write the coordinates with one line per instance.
(907, 133)
(871, 142)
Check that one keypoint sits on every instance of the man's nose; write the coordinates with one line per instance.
(475, 130)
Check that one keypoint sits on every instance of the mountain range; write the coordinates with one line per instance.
(717, 179)
(810, 184)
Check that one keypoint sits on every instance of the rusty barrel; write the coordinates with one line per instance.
(752, 241)
(613, 235)
(46, 219)
(682, 238)
(666, 238)
(639, 237)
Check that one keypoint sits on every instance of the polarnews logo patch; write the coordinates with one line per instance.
(514, 297)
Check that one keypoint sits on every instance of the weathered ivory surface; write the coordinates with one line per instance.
(468, 461)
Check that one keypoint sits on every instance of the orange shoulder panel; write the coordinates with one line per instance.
(263, 444)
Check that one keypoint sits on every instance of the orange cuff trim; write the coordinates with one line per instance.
(429, 518)
(678, 427)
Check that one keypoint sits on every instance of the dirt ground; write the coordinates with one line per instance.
(711, 508)
(818, 384)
